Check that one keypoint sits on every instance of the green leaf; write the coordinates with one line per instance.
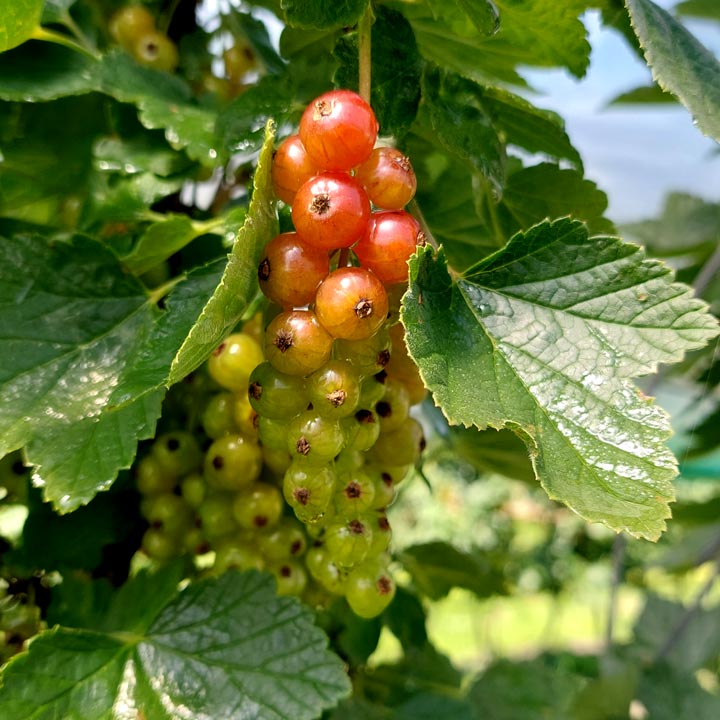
(219, 649)
(525, 691)
(159, 241)
(405, 617)
(427, 706)
(529, 127)
(239, 282)
(699, 8)
(483, 13)
(56, 11)
(643, 94)
(322, 14)
(680, 64)
(18, 19)
(41, 71)
(542, 191)
(241, 125)
(462, 125)
(88, 356)
(542, 337)
(143, 153)
(396, 70)
(437, 567)
(542, 33)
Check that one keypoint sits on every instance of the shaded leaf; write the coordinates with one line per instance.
(220, 648)
(396, 70)
(542, 337)
(159, 241)
(322, 14)
(668, 695)
(462, 125)
(680, 64)
(525, 691)
(437, 567)
(239, 282)
(697, 641)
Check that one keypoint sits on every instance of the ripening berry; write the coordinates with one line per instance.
(390, 238)
(291, 270)
(338, 130)
(351, 303)
(388, 178)
(330, 211)
(291, 168)
(296, 343)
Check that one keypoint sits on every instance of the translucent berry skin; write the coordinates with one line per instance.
(152, 478)
(394, 407)
(291, 270)
(130, 22)
(232, 554)
(388, 178)
(309, 490)
(348, 540)
(218, 418)
(369, 589)
(177, 452)
(217, 517)
(401, 446)
(160, 545)
(285, 541)
(314, 438)
(259, 506)
(334, 389)
(274, 394)
(338, 130)
(233, 462)
(369, 356)
(231, 363)
(296, 343)
(331, 211)
(355, 493)
(351, 303)
(390, 238)
(290, 576)
(361, 430)
(291, 168)
(156, 50)
(324, 570)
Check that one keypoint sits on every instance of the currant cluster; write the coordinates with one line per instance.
(213, 491)
(335, 391)
(133, 28)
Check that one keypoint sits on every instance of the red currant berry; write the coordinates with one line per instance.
(331, 211)
(291, 270)
(390, 238)
(351, 303)
(291, 168)
(388, 178)
(338, 130)
(296, 343)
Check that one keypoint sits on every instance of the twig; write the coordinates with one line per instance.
(618, 562)
(365, 53)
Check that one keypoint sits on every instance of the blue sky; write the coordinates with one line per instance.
(635, 154)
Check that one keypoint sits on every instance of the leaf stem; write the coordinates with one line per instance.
(365, 53)
(707, 272)
(40, 33)
(154, 296)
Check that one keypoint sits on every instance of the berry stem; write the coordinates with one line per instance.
(344, 259)
(365, 53)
